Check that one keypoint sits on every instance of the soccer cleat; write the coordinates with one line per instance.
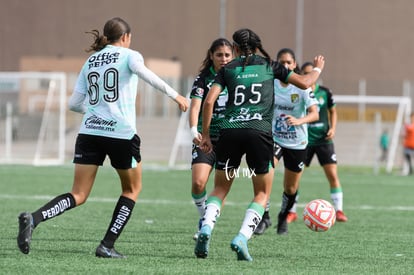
(291, 217)
(25, 232)
(262, 226)
(340, 216)
(200, 222)
(282, 225)
(104, 252)
(239, 245)
(203, 241)
(195, 236)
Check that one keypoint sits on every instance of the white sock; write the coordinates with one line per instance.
(212, 212)
(200, 203)
(293, 209)
(252, 218)
(337, 199)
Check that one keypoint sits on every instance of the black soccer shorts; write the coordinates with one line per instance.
(234, 143)
(123, 153)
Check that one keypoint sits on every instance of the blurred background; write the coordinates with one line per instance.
(367, 44)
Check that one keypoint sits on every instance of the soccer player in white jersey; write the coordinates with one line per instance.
(320, 143)
(293, 109)
(105, 93)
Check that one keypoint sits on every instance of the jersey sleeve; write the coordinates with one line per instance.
(76, 102)
(136, 64)
(310, 98)
(197, 90)
(81, 86)
(280, 72)
(219, 79)
(331, 101)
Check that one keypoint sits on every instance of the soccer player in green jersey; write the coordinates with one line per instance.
(218, 55)
(105, 94)
(245, 130)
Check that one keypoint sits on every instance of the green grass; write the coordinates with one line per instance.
(377, 239)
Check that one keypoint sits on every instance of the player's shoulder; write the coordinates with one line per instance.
(325, 89)
(131, 54)
(236, 62)
(205, 74)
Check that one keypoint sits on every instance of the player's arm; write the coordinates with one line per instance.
(76, 102)
(77, 99)
(208, 114)
(311, 116)
(195, 108)
(137, 65)
(307, 80)
(333, 117)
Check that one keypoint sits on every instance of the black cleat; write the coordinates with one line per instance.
(104, 252)
(25, 232)
(282, 225)
(262, 226)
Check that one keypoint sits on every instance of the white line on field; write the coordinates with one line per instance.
(177, 202)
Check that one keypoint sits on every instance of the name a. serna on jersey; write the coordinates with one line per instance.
(247, 75)
(246, 117)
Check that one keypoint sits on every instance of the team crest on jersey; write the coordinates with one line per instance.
(321, 100)
(199, 92)
(294, 98)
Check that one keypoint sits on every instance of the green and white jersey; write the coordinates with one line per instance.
(292, 101)
(318, 129)
(250, 89)
(109, 79)
(199, 90)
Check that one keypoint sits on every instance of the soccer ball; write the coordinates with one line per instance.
(319, 215)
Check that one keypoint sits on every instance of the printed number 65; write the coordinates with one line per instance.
(239, 94)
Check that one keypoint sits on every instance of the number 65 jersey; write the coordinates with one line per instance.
(250, 88)
(109, 79)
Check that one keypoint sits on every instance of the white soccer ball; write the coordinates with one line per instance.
(319, 215)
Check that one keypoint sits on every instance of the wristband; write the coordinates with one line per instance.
(194, 131)
(317, 69)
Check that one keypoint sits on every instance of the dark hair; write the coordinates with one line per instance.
(112, 32)
(306, 64)
(292, 53)
(248, 42)
(207, 62)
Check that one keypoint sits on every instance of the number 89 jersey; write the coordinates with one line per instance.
(111, 88)
(250, 89)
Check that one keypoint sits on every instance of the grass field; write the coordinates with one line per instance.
(377, 239)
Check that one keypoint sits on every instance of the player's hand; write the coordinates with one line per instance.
(182, 102)
(197, 139)
(319, 61)
(330, 134)
(206, 144)
(292, 121)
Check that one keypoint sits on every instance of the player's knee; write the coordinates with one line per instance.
(80, 198)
